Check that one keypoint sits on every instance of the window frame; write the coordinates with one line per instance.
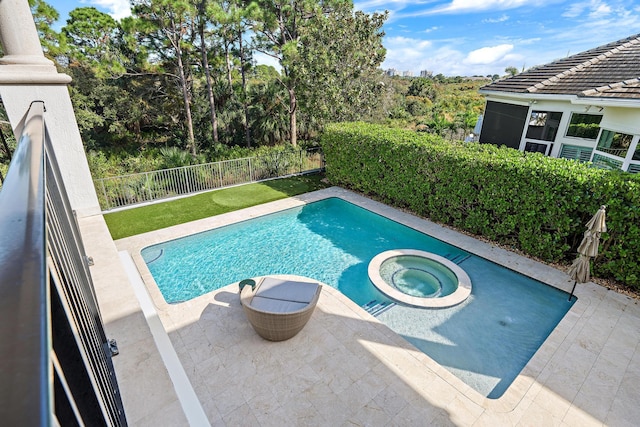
(631, 157)
(574, 113)
(544, 128)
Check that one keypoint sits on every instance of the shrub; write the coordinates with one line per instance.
(531, 202)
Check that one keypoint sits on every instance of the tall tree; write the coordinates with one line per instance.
(94, 38)
(166, 26)
(203, 18)
(278, 29)
(233, 22)
(339, 57)
(45, 16)
(511, 71)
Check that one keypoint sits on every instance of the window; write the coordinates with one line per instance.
(605, 162)
(543, 125)
(584, 126)
(534, 147)
(503, 124)
(575, 152)
(615, 143)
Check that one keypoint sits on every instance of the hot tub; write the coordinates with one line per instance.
(419, 278)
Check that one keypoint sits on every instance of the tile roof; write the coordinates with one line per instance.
(611, 70)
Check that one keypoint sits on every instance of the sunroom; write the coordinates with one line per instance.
(584, 107)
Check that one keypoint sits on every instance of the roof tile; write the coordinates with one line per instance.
(611, 70)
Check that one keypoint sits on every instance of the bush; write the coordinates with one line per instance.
(531, 202)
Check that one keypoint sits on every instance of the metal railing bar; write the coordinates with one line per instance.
(63, 381)
(142, 187)
(88, 355)
(24, 340)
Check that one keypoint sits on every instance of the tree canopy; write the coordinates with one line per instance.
(184, 73)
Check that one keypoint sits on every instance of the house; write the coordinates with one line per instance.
(584, 107)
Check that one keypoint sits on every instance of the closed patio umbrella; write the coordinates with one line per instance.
(580, 269)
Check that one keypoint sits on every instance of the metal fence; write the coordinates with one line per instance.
(55, 359)
(148, 186)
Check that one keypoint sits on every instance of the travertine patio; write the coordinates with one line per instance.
(200, 362)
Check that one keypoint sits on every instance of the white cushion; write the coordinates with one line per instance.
(287, 290)
(276, 305)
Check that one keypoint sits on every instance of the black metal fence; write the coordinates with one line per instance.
(55, 359)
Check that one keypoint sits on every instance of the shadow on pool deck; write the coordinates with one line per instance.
(345, 365)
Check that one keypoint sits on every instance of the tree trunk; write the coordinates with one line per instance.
(186, 98)
(293, 126)
(228, 60)
(247, 131)
(207, 72)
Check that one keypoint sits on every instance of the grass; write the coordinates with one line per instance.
(153, 217)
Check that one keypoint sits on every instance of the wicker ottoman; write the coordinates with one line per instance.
(277, 308)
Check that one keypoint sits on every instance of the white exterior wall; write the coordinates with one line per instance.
(624, 120)
(620, 119)
(26, 76)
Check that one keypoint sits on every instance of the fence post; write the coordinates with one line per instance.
(104, 191)
(250, 169)
(148, 186)
(301, 151)
(186, 179)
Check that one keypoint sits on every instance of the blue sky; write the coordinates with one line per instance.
(475, 37)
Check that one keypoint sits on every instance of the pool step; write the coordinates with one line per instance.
(376, 308)
(457, 259)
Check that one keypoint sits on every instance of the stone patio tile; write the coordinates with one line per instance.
(347, 368)
(463, 411)
(580, 417)
(538, 416)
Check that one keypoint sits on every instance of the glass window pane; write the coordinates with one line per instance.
(614, 143)
(636, 154)
(575, 152)
(605, 162)
(584, 126)
(543, 125)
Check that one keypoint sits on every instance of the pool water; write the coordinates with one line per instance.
(485, 341)
(419, 277)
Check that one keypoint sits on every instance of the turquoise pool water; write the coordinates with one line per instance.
(485, 341)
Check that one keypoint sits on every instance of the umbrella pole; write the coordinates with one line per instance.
(573, 289)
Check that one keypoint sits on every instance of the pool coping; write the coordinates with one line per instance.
(519, 387)
(461, 293)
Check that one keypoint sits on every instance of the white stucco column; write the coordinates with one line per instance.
(26, 76)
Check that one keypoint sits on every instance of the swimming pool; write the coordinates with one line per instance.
(485, 341)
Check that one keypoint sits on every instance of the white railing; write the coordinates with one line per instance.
(144, 187)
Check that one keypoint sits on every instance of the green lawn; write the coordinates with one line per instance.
(153, 217)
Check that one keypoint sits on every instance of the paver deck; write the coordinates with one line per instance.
(345, 367)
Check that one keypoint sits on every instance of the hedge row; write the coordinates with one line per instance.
(531, 202)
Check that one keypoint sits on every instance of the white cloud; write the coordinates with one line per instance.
(118, 9)
(488, 55)
(429, 30)
(446, 57)
(595, 8)
(600, 10)
(496, 20)
(459, 6)
(575, 10)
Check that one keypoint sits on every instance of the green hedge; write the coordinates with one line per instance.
(531, 202)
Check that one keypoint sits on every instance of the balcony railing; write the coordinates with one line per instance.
(148, 186)
(55, 360)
